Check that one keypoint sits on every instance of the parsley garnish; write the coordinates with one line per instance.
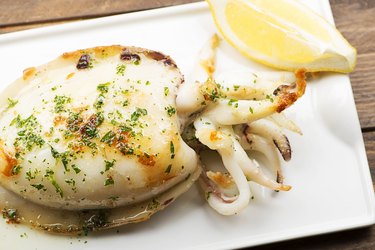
(138, 113)
(11, 103)
(120, 69)
(170, 110)
(108, 138)
(166, 91)
(109, 181)
(171, 149)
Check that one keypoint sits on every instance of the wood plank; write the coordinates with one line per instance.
(356, 19)
(18, 12)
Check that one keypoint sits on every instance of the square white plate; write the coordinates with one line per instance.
(332, 188)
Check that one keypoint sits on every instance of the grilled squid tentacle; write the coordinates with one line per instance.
(273, 133)
(253, 171)
(190, 98)
(282, 121)
(244, 111)
(249, 85)
(253, 142)
(215, 139)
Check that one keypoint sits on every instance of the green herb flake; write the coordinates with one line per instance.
(166, 91)
(109, 164)
(236, 87)
(120, 69)
(109, 137)
(268, 97)
(125, 103)
(109, 181)
(251, 110)
(76, 168)
(233, 102)
(208, 194)
(103, 87)
(60, 102)
(170, 110)
(171, 149)
(11, 215)
(16, 170)
(70, 182)
(138, 113)
(114, 198)
(168, 169)
(11, 103)
(99, 102)
(38, 186)
(50, 175)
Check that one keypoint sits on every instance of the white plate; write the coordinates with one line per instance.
(332, 188)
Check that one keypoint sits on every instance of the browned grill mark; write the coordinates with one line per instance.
(10, 162)
(147, 160)
(27, 73)
(128, 56)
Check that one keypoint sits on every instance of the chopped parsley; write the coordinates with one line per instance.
(170, 110)
(11, 103)
(120, 69)
(37, 186)
(109, 181)
(51, 177)
(251, 110)
(109, 164)
(60, 102)
(103, 87)
(166, 91)
(268, 97)
(138, 113)
(171, 149)
(233, 102)
(168, 169)
(98, 104)
(76, 168)
(109, 138)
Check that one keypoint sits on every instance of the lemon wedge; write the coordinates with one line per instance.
(283, 34)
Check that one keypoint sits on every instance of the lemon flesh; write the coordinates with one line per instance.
(283, 34)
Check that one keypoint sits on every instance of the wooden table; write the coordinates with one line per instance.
(354, 18)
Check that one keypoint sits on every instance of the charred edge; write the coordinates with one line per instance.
(11, 163)
(285, 152)
(83, 62)
(161, 57)
(281, 89)
(127, 56)
(167, 202)
(93, 122)
(245, 127)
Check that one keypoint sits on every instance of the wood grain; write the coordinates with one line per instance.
(354, 18)
(21, 12)
(356, 21)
